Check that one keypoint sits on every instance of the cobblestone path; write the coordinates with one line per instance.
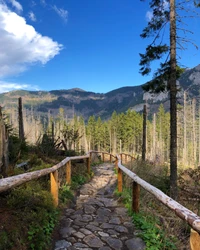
(98, 221)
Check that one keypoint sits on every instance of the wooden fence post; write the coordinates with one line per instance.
(119, 176)
(110, 158)
(125, 158)
(135, 197)
(103, 158)
(54, 186)
(194, 240)
(68, 172)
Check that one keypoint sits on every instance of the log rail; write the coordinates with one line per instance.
(185, 214)
(182, 212)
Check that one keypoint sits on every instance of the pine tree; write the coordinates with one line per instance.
(164, 12)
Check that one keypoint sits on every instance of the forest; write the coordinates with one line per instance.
(121, 133)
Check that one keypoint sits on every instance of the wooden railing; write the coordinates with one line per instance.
(185, 214)
(14, 181)
(182, 212)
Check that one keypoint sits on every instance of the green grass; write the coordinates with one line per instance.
(149, 227)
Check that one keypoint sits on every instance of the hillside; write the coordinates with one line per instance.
(80, 102)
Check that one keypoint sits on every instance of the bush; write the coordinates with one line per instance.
(33, 208)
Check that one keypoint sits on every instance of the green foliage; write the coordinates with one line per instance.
(65, 194)
(33, 207)
(151, 233)
(78, 180)
(16, 148)
(5, 241)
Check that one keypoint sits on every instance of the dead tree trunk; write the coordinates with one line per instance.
(144, 138)
(3, 147)
(21, 124)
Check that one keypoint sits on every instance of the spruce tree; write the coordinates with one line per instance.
(164, 13)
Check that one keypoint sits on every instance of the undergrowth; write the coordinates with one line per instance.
(34, 218)
(148, 226)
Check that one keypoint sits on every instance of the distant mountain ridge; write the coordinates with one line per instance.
(84, 103)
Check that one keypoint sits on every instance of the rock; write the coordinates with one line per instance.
(113, 243)
(121, 229)
(112, 232)
(135, 244)
(93, 228)
(85, 231)
(102, 234)
(78, 235)
(69, 211)
(62, 245)
(71, 239)
(67, 231)
(101, 218)
(104, 248)
(115, 220)
(89, 209)
(79, 245)
(93, 241)
(104, 211)
(107, 226)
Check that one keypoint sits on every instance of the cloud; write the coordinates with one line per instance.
(16, 5)
(61, 12)
(20, 44)
(43, 2)
(8, 86)
(32, 16)
(149, 15)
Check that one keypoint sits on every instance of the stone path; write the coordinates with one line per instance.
(98, 221)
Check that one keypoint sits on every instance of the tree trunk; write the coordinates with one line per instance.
(154, 138)
(144, 138)
(184, 131)
(194, 131)
(173, 104)
(21, 124)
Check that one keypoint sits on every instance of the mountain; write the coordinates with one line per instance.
(87, 103)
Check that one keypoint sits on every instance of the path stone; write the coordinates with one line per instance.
(135, 244)
(98, 221)
(93, 241)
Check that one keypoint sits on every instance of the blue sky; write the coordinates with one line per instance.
(89, 44)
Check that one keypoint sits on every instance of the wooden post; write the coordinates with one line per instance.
(125, 158)
(54, 186)
(119, 180)
(135, 197)
(110, 158)
(88, 165)
(194, 240)
(68, 172)
(103, 157)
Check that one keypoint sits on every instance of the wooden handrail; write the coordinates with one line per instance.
(185, 214)
(182, 212)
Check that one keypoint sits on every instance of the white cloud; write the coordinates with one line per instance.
(16, 5)
(149, 15)
(8, 86)
(61, 12)
(32, 16)
(21, 45)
